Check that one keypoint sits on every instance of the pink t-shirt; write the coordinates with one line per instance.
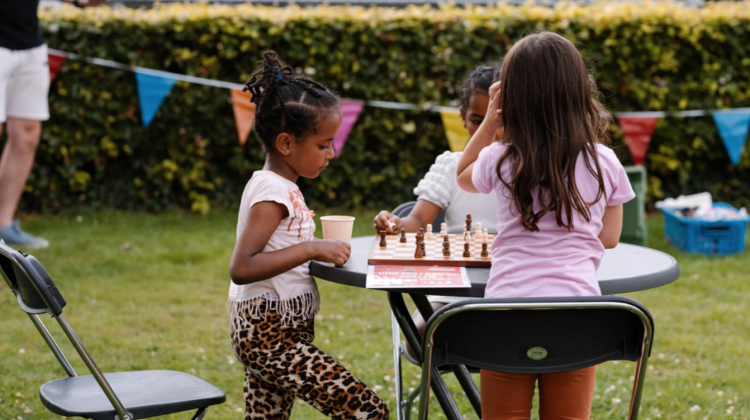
(553, 262)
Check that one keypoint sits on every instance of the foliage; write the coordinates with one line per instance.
(652, 56)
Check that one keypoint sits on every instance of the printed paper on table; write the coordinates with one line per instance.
(412, 277)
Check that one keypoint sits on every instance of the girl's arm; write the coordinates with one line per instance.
(483, 137)
(250, 264)
(424, 212)
(611, 226)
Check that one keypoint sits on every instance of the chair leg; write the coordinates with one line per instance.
(409, 403)
(397, 367)
(200, 413)
(635, 399)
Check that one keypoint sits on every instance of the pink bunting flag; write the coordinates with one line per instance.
(350, 110)
(55, 63)
(638, 132)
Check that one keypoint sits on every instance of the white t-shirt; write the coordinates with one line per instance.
(295, 290)
(440, 187)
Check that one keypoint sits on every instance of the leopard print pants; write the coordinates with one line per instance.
(281, 363)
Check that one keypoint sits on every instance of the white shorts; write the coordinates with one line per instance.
(24, 84)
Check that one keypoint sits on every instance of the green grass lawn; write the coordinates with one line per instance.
(149, 292)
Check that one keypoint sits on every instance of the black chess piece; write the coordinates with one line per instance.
(467, 253)
(485, 253)
(383, 243)
(446, 247)
(402, 239)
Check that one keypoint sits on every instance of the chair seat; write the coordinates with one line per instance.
(144, 394)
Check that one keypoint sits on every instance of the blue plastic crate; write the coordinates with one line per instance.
(724, 237)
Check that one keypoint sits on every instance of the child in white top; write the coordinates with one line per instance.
(439, 191)
(273, 298)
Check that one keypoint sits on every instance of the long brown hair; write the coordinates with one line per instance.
(551, 116)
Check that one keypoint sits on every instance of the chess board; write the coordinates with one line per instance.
(396, 253)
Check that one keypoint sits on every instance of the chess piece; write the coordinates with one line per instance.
(485, 253)
(418, 250)
(485, 235)
(468, 222)
(429, 232)
(443, 229)
(467, 253)
(446, 247)
(420, 236)
(383, 243)
(422, 249)
(402, 239)
(479, 229)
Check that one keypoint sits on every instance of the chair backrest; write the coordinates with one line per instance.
(36, 294)
(35, 291)
(404, 209)
(539, 335)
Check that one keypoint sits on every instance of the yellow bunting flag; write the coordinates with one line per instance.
(457, 135)
(244, 113)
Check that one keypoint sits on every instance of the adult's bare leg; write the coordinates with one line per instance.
(15, 164)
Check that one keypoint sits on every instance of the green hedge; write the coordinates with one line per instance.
(95, 152)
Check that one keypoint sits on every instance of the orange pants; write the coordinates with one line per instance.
(562, 396)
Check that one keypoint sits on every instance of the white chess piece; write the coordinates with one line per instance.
(443, 229)
(428, 235)
(479, 229)
(485, 235)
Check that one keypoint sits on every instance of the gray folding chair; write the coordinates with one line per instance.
(538, 336)
(119, 396)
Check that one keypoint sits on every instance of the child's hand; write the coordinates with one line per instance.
(387, 222)
(331, 251)
(494, 109)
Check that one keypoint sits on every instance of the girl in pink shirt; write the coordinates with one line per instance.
(560, 191)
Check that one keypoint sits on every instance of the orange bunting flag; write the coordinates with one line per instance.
(244, 113)
(638, 132)
(55, 62)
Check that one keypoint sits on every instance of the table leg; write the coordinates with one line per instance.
(462, 374)
(439, 388)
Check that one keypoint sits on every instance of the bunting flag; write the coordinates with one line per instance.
(350, 110)
(638, 131)
(55, 61)
(457, 135)
(152, 90)
(244, 113)
(638, 127)
(733, 127)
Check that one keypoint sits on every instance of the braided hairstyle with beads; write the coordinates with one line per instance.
(286, 103)
(478, 81)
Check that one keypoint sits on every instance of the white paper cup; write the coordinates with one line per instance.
(338, 228)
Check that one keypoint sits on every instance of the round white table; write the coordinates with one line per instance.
(626, 268)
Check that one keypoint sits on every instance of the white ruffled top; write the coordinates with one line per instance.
(439, 187)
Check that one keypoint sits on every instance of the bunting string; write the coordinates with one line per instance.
(638, 127)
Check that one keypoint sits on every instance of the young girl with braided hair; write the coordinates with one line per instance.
(272, 298)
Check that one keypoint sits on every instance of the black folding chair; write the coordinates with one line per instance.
(119, 396)
(538, 336)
